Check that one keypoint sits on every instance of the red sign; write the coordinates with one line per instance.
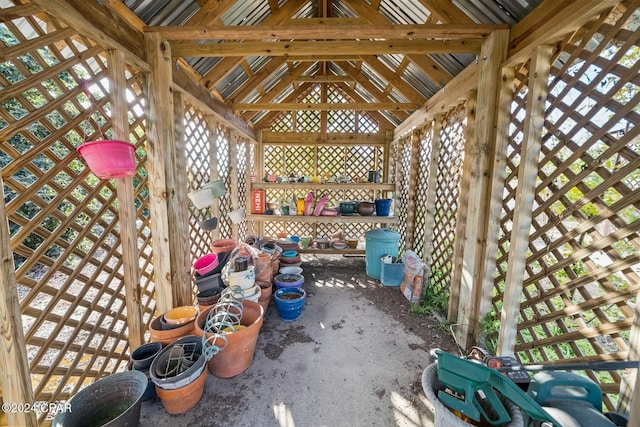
(257, 201)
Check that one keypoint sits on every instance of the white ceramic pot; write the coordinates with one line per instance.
(243, 279)
(252, 294)
(291, 270)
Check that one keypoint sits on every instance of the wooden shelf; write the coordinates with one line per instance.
(331, 251)
(373, 219)
(327, 185)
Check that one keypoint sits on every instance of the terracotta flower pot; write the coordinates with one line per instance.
(275, 265)
(265, 297)
(238, 353)
(223, 245)
(183, 399)
(263, 268)
(168, 336)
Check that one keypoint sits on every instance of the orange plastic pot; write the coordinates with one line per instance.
(238, 353)
(183, 399)
(223, 245)
(166, 337)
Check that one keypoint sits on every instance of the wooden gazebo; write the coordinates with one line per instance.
(505, 132)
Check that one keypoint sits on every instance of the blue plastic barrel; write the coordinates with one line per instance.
(381, 241)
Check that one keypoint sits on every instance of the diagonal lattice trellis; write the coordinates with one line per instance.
(449, 171)
(402, 197)
(337, 121)
(584, 250)
(200, 155)
(422, 191)
(198, 172)
(63, 220)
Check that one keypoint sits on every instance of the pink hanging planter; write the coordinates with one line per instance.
(109, 158)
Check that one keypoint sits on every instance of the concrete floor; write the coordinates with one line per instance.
(345, 362)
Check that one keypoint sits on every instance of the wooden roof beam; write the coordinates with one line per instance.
(370, 87)
(315, 30)
(329, 78)
(325, 106)
(394, 79)
(446, 11)
(287, 80)
(548, 22)
(226, 65)
(351, 47)
(381, 118)
(266, 120)
(99, 24)
(426, 64)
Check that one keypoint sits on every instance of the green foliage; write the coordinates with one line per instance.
(435, 300)
(488, 329)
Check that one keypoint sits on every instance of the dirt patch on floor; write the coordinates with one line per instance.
(352, 272)
(285, 338)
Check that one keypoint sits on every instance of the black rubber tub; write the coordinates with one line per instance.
(113, 401)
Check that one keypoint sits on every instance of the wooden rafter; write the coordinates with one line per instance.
(226, 65)
(329, 78)
(369, 86)
(425, 63)
(286, 81)
(295, 106)
(392, 78)
(383, 121)
(325, 29)
(292, 97)
(446, 11)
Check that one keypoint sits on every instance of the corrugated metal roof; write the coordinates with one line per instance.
(255, 12)
(497, 12)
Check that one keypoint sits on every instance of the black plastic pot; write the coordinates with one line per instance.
(143, 355)
(113, 401)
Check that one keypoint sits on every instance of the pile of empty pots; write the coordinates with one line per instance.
(235, 283)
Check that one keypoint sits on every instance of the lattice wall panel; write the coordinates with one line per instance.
(63, 220)
(353, 162)
(337, 121)
(243, 158)
(402, 197)
(197, 137)
(447, 197)
(584, 251)
(422, 190)
(272, 228)
(223, 154)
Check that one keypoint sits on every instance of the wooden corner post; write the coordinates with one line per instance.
(178, 209)
(15, 379)
(471, 245)
(525, 193)
(126, 201)
(159, 138)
